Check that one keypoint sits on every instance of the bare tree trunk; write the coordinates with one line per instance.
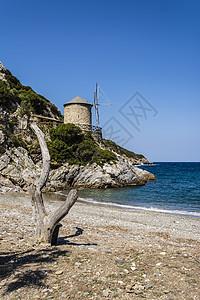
(46, 224)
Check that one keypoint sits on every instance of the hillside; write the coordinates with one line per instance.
(16, 97)
(17, 100)
(76, 158)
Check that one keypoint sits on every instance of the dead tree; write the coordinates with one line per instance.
(47, 225)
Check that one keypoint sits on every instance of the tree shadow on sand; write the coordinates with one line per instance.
(24, 267)
(27, 268)
(65, 241)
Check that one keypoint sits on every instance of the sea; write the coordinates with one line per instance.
(176, 191)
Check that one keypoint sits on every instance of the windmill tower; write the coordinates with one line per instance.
(78, 111)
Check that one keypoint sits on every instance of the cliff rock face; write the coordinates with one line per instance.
(18, 171)
(120, 174)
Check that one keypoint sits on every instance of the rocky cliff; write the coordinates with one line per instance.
(18, 171)
(83, 163)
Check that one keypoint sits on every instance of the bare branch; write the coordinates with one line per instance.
(39, 183)
(63, 210)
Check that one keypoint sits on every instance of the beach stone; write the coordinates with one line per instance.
(129, 287)
(59, 272)
(141, 287)
(147, 286)
(106, 293)
(45, 290)
(138, 292)
(63, 295)
(120, 262)
(136, 286)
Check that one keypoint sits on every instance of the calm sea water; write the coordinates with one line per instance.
(176, 190)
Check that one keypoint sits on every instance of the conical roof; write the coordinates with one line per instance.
(78, 100)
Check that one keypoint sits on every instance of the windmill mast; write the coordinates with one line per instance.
(96, 105)
(99, 93)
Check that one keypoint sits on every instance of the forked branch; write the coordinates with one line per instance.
(47, 225)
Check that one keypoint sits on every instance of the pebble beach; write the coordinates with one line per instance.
(102, 252)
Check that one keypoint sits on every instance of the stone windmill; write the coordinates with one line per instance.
(78, 112)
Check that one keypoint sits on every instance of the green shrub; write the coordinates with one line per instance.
(85, 150)
(68, 133)
(69, 144)
(13, 81)
(7, 96)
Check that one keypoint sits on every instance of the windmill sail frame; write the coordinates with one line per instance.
(97, 94)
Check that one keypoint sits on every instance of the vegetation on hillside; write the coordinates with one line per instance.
(13, 93)
(8, 96)
(120, 150)
(69, 144)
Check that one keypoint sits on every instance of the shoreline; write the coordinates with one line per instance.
(131, 207)
(188, 214)
(140, 219)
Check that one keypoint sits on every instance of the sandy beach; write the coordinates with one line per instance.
(102, 252)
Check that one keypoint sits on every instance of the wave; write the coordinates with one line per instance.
(125, 206)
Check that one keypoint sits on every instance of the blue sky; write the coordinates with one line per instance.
(145, 49)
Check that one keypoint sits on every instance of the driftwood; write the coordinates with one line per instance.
(47, 225)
